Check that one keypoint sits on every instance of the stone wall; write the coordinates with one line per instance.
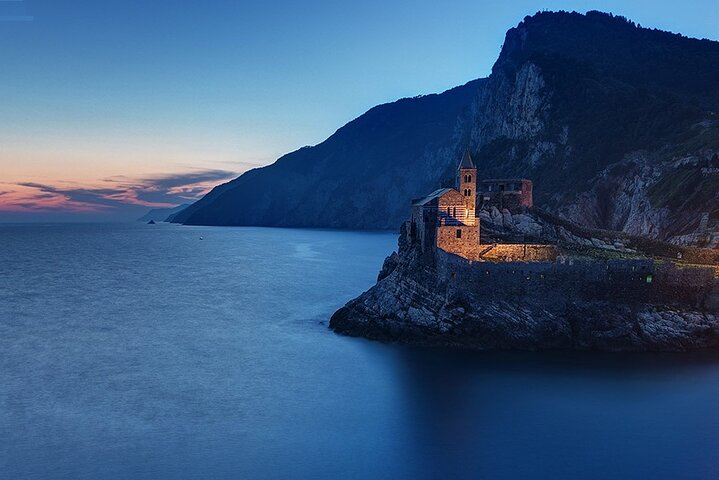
(467, 245)
(518, 253)
(452, 208)
(630, 281)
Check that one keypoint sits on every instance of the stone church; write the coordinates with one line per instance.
(447, 218)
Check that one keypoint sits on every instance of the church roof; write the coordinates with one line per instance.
(432, 196)
(466, 161)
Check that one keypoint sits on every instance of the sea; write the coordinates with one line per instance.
(134, 351)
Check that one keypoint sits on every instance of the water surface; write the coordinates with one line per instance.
(137, 351)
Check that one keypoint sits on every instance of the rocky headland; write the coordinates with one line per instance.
(604, 293)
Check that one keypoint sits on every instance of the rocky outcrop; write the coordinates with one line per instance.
(642, 195)
(439, 301)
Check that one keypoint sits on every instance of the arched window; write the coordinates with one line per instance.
(469, 178)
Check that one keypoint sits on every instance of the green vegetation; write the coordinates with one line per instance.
(686, 189)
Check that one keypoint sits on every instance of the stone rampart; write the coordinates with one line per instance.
(519, 253)
(626, 280)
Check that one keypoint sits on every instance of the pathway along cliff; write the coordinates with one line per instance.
(610, 297)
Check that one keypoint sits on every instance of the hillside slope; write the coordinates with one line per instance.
(616, 125)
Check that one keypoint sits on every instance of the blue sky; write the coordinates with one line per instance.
(136, 97)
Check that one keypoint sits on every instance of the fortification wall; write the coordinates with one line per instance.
(628, 281)
(518, 253)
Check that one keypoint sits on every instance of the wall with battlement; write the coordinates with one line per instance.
(519, 253)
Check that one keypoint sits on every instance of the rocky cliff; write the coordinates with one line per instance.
(603, 303)
(617, 126)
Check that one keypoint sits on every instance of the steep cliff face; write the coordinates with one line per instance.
(608, 122)
(615, 124)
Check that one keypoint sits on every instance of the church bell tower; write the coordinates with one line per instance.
(467, 185)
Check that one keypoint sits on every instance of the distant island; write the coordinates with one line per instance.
(531, 281)
(617, 125)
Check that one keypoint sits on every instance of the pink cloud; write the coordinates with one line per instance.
(110, 194)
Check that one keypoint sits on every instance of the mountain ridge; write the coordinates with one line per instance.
(594, 109)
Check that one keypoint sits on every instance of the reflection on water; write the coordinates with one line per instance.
(133, 351)
(563, 414)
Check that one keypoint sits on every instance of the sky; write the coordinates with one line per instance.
(109, 108)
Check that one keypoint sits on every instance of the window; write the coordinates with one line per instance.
(459, 233)
(469, 178)
(454, 212)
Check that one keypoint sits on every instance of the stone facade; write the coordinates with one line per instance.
(462, 240)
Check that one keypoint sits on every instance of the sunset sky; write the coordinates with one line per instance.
(110, 108)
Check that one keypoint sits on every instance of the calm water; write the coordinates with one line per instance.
(138, 351)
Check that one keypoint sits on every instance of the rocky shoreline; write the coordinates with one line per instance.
(439, 300)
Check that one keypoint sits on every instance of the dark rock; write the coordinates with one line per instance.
(420, 301)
